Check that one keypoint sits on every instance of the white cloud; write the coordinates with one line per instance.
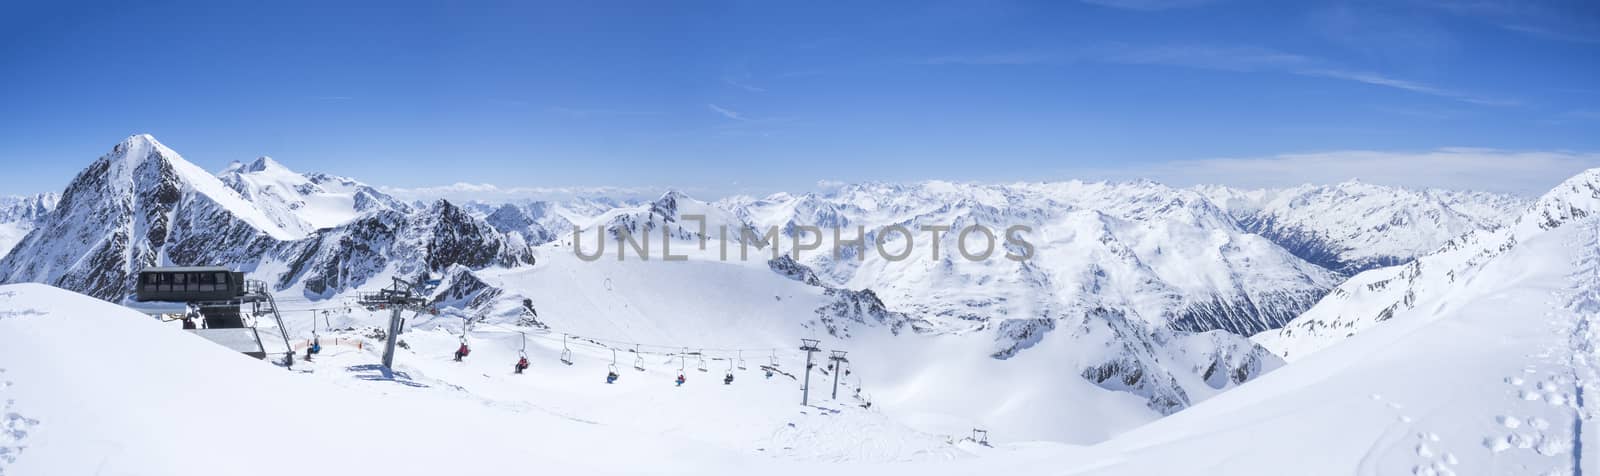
(1491, 170)
(728, 113)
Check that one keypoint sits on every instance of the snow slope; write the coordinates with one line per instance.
(1354, 226)
(722, 307)
(1513, 350)
(163, 402)
(1415, 288)
(302, 204)
(1492, 380)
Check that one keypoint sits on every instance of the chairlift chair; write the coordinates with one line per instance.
(741, 360)
(566, 352)
(638, 359)
(702, 360)
(774, 361)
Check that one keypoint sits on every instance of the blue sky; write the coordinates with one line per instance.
(754, 97)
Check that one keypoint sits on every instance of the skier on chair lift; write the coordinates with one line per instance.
(611, 377)
(462, 351)
(681, 379)
(728, 380)
(522, 364)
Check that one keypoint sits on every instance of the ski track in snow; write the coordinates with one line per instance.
(14, 427)
(1555, 377)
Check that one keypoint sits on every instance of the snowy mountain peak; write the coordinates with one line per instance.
(232, 168)
(303, 203)
(263, 164)
(1574, 198)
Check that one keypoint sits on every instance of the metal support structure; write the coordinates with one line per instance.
(838, 368)
(399, 297)
(810, 346)
(261, 302)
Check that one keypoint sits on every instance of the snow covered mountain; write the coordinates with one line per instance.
(143, 205)
(18, 215)
(1133, 275)
(1134, 301)
(1422, 288)
(1164, 257)
(138, 206)
(302, 204)
(388, 242)
(1354, 226)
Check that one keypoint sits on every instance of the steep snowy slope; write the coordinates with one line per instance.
(302, 204)
(1354, 226)
(1492, 377)
(140, 205)
(1401, 292)
(19, 214)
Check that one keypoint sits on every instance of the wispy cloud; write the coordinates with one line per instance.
(1553, 34)
(728, 113)
(1491, 170)
(742, 82)
(1148, 5)
(597, 112)
(1256, 59)
(1226, 58)
(1413, 86)
(1012, 58)
(1557, 21)
(1584, 114)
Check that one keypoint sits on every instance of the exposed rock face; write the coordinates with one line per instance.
(433, 240)
(141, 205)
(464, 290)
(788, 268)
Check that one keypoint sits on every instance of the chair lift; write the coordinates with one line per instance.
(566, 352)
(774, 358)
(464, 349)
(682, 363)
(728, 380)
(702, 360)
(522, 354)
(741, 360)
(316, 339)
(611, 368)
(638, 359)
